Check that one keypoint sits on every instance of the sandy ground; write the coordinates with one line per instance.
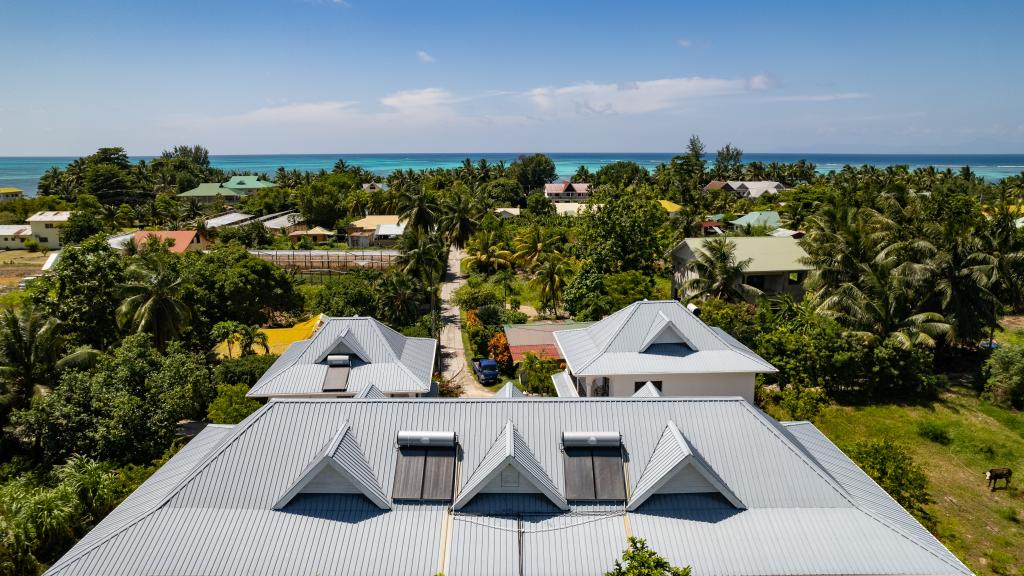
(16, 265)
(453, 354)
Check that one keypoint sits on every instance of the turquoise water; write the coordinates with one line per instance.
(24, 172)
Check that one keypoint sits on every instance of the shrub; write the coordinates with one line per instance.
(535, 374)
(513, 316)
(447, 388)
(639, 560)
(803, 403)
(471, 297)
(498, 349)
(231, 406)
(1004, 372)
(934, 431)
(891, 465)
(245, 370)
(32, 245)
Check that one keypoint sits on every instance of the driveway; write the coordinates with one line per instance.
(453, 354)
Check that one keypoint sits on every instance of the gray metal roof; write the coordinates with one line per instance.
(509, 390)
(210, 509)
(388, 361)
(626, 342)
(648, 391)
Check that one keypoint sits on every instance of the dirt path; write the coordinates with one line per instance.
(453, 354)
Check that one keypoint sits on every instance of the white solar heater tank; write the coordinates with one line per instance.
(591, 439)
(425, 438)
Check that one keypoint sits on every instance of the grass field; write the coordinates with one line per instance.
(17, 264)
(983, 528)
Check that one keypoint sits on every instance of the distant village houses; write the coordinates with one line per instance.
(566, 191)
(776, 264)
(229, 192)
(746, 189)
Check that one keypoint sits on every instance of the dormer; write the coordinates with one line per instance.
(509, 466)
(337, 468)
(665, 337)
(675, 468)
(341, 357)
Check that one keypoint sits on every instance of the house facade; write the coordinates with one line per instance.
(9, 193)
(747, 188)
(507, 486)
(345, 357)
(776, 264)
(566, 191)
(362, 233)
(660, 343)
(46, 227)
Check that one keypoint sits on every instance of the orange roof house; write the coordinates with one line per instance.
(182, 239)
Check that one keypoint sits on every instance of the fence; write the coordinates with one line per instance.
(327, 262)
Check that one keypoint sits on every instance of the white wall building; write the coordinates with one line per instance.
(46, 227)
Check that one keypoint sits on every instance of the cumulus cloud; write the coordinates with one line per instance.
(685, 42)
(760, 82)
(413, 102)
(822, 97)
(424, 56)
(635, 97)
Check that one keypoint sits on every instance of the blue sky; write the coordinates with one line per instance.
(304, 76)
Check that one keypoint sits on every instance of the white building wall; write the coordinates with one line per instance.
(730, 384)
(51, 234)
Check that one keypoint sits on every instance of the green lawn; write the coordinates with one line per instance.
(983, 528)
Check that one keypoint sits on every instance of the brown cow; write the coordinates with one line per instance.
(996, 474)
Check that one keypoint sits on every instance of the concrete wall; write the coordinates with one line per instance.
(728, 384)
(48, 230)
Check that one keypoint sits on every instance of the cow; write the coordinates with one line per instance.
(996, 474)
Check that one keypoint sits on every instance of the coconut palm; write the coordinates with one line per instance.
(399, 297)
(487, 254)
(31, 347)
(533, 243)
(716, 273)
(418, 209)
(251, 337)
(424, 256)
(153, 299)
(459, 218)
(550, 275)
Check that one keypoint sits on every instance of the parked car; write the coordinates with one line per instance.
(486, 370)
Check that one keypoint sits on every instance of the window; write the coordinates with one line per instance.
(593, 466)
(49, 225)
(638, 385)
(756, 280)
(425, 469)
(43, 239)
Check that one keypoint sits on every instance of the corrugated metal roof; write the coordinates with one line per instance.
(621, 344)
(509, 390)
(371, 392)
(389, 361)
(564, 386)
(210, 510)
(767, 254)
(228, 219)
(648, 390)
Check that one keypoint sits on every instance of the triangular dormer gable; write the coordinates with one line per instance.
(346, 343)
(338, 468)
(674, 468)
(510, 466)
(664, 331)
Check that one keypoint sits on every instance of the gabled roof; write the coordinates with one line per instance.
(371, 222)
(371, 392)
(509, 449)
(767, 254)
(391, 362)
(228, 219)
(671, 456)
(769, 218)
(281, 221)
(648, 390)
(670, 206)
(247, 183)
(210, 509)
(209, 190)
(342, 456)
(626, 343)
(15, 230)
(566, 186)
(181, 239)
(49, 216)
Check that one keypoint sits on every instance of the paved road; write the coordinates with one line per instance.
(453, 354)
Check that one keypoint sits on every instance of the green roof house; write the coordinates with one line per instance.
(776, 265)
(229, 192)
(247, 184)
(768, 218)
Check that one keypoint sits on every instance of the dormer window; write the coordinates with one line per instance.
(425, 469)
(593, 466)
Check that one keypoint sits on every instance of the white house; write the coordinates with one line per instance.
(13, 236)
(660, 343)
(46, 227)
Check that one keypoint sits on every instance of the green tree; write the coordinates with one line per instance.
(716, 273)
(550, 275)
(622, 235)
(728, 163)
(31, 347)
(418, 209)
(231, 406)
(538, 204)
(1004, 372)
(153, 298)
(639, 560)
(349, 294)
(459, 218)
(532, 171)
(487, 254)
(892, 466)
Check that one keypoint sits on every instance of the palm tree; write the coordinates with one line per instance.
(249, 337)
(549, 277)
(152, 299)
(716, 273)
(399, 297)
(877, 307)
(506, 280)
(424, 256)
(30, 352)
(417, 209)
(533, 243)
(487, 254)
(459, 218)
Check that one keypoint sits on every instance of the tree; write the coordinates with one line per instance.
(349, 294)
(1004, 370)
(459, 218)
(728, 163)
(892, 466)
(31, 347)
(321, 202)
(534, 242)
(231, 406)
(532, 171)
(549, 277)
(399, 298)
(487, 253)
(535, 373)
(639, 560)
(622, 235)
(417, 209)
(716, 273)
(621, 174)
(153, 298)
(538, 204)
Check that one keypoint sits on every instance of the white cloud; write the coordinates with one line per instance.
(634, 97)
(426, 101)
(685, 42)
(822, 97)
(424, 56)
(760, 82)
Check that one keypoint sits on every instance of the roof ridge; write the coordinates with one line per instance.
(632, 308)
(212, 455)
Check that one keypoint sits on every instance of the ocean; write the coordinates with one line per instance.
(24, 172)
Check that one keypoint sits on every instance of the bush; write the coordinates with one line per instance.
(803, 403)
(231, 406)
(891, 465)
(535, 374)
(513, 316)
(350, 294)
(934, 431)
(471, 296)
(639, 560)
(447, 388)
(245, 370)
(498, 349)
(32, 245)
(1004, 372)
